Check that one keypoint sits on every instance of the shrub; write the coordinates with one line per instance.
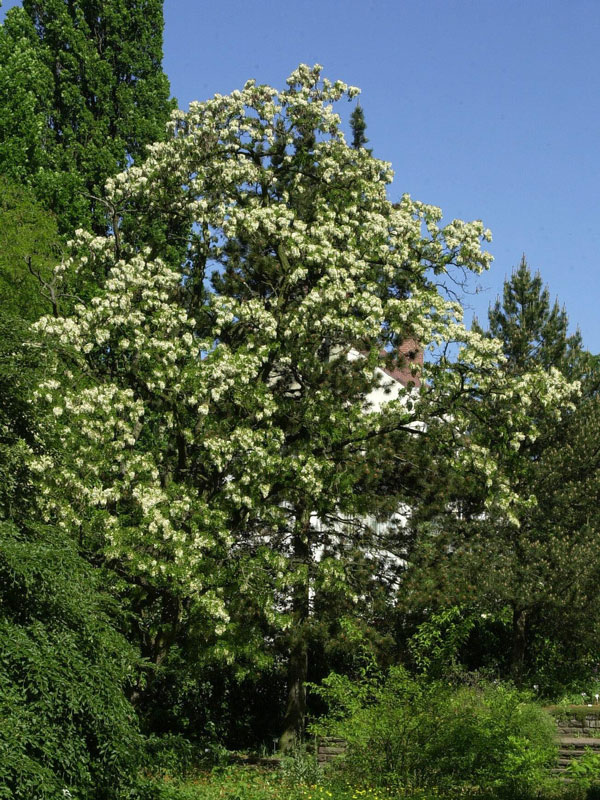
(300, 767)
(66, 728)
(405, 733)
(585, 772)
(170, 755)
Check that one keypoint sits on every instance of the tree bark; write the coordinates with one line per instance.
(156, 646)
(519, 644)
(293, 723)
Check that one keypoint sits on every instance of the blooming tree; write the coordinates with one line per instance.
(216, 436)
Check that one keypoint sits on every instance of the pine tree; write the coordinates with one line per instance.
(534, 574)
(359, 126)
(531, 329)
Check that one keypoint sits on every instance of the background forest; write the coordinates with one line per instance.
(213, 540)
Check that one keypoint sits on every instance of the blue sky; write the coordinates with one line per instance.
(487, 108)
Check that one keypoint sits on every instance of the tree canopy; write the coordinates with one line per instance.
(30, 248)
(531, 329)
(245, 434)
(82, 93)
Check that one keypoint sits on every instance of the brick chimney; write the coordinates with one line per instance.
(409, 353)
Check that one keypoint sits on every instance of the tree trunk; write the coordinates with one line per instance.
(293, 723)
(519, 644)
(155, 647)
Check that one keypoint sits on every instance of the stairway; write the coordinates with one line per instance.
(329, 747)
(572, 747)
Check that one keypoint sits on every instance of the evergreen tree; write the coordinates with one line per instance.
(358, 126)
(531, 329)
(533, 574)
(82, 93)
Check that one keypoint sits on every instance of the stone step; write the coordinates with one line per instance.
(569, 755)
(578, 742)
(571, 748)
(330, 747)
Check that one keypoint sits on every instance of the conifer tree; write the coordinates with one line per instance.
(530, 328)
(534, 572)
(358, 126)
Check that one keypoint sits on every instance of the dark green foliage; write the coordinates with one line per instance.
(210, 704)
(359, 126)
(553, 559)
(26, 87)
(171, 755)
(19, 428)
(531, 587)
(66, 723)
(64, 669)
(532, 330)
(82, 93)
(437, 642)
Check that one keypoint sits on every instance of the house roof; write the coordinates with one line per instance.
(408, 353)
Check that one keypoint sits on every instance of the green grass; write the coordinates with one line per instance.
(249, 783)
(253, 783)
